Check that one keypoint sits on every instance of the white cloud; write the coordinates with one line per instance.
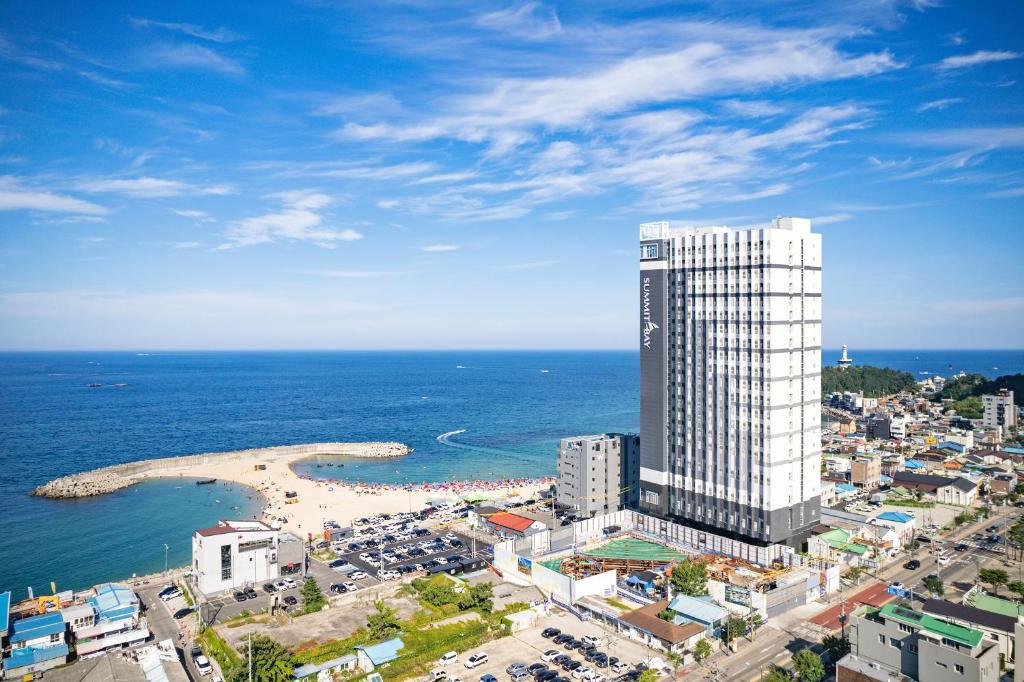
(219, 35)
(440, 178)
(15, 196)
(439, 248)
(529, 20)
(975, 138)
(939, 104)
(186, 245)
(1011, 193)
(92, 240)
(388, 203)
(831, 219)
(753, 108)
(965, 61)
(299, 219)
(198, 216)
(147, 187)
(189, 56)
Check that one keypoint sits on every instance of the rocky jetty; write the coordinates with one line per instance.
(112, 478)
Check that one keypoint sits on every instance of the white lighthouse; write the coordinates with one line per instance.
(844, 361)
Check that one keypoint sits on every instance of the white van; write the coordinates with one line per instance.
(448, 658)
(203, 665)
(476, 659)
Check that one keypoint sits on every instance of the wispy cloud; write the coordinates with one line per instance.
(146, 187)
(966, 61)
(186, 245)
(218, 35)
(939, 104)
(439, 248)
(753, 108)
(529, 20)
(974, 138)
(300, 218)
(1011, 193)
(189, 56)
(15, 196)
(198, 216)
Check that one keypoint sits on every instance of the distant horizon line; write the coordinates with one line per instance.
(852, 349)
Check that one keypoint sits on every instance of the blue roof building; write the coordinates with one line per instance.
(913, 464)
(701, 611)
(37, 643)
(895, 517)
(5, 613)
(845, 488)
(378, 654)
(37, 627)
(114, 602)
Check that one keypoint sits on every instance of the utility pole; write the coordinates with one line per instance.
(165, 557)
(250, 657)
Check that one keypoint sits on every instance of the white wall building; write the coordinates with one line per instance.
(999, 410)
(730, 367)
(597, 474)
(234, 554)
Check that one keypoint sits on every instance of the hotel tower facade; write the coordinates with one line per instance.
(730, 379)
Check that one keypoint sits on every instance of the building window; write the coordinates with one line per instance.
(959, 668)
(905, 628)
(941, 665)
(881, 639)
(651, 497)
(225, 562)
(895, 643)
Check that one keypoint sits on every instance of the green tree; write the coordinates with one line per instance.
(702, 650)
(874, 382)
(312, 598)
(969, 408)
(994, 577)
(1017, 587)
(934, 585)
(734, 627)
(754, 621)
(271, 662)
(690, 577)
(808, 666)
(777, 674)
(675, 659)
(382, 624)
(837, 647)
(667, 614)
(648, 676)
(439, 592)
(478, 596)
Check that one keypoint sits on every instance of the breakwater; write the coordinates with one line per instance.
(108, 479)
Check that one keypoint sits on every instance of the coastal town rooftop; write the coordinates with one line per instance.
(224, 527)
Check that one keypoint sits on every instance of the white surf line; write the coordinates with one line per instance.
(445, 437)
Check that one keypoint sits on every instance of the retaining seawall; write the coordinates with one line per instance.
(108, 479)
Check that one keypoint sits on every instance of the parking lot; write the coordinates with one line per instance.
(380, 547)
(528, 647)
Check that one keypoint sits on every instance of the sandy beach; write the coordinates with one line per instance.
(316, 501)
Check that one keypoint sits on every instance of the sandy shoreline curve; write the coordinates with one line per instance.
(268, 472)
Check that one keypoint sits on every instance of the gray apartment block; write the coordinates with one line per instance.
(598, 474)
(923, 647)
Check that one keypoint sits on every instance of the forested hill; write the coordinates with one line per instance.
(874, 382)
(976, 384)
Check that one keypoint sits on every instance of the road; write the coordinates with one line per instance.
(163, 626)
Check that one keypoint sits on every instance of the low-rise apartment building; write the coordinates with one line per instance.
(921, 646)
(598, 474)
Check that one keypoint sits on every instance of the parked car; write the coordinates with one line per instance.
(590, 639)
(169, 592)
(551, 654)
(357, 575)
(514, 667)
(290, 600)
(203, 665)
(912, 565)
(250, 592)
(290, 582)
(476, 659)
(240, 596)
(268, 588)
(351, 587)
(487, 677)
(548, 633)
(448, 658)
(338, 588)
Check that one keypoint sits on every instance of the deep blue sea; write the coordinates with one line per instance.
(467, 414)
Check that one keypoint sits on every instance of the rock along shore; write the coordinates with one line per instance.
(111, 478)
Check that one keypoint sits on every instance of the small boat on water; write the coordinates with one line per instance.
(94, 385)
(206, 481)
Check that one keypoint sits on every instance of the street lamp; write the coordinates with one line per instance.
(165, 557)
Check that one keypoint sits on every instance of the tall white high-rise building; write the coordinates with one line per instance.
(730, 378)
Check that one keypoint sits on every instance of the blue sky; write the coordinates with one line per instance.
(444, 175)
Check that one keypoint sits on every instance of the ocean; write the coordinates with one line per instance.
(468, 415)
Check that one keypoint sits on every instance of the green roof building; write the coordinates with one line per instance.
(903, 641)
